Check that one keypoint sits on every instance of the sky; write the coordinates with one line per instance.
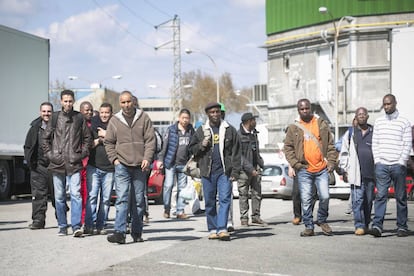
(97, 39)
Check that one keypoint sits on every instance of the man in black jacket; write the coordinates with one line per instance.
(216, 145)
(40, 179)
(252, 163)
(66, 142)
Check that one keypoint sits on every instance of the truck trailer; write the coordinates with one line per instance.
(24, 76)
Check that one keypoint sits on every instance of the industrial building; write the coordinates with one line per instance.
(340, 55)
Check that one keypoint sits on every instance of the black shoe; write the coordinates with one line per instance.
(88, 231)
(137, 237)
(402, 233)
(36, 225)
(116, 237)
(375, 231)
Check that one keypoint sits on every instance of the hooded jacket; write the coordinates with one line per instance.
(130, 144)
(32, 144)
(293, 145)
(66, 143)
(229, 147)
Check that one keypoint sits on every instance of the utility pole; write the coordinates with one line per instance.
(176, 95)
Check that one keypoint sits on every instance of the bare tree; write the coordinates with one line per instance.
(200, 88)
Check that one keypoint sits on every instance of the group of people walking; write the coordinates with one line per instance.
(370, 156)
(91, 154)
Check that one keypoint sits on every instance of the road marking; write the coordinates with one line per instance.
(221, 269)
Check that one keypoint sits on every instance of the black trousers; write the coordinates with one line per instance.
(41, 183)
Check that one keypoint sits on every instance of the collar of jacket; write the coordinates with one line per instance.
(138, 113)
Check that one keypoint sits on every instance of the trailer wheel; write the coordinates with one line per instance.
(4, 180)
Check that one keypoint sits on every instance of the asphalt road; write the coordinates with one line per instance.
(174, 247)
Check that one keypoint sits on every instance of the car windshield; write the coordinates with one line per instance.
(272, 171)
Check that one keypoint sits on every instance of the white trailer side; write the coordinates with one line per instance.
(24, 78)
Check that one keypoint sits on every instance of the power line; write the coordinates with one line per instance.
(240, 59)
(135, 14)
(120, 25)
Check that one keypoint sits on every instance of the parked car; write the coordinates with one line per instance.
(409, 188)
(341, 189)
(155, 189)
(275, 182)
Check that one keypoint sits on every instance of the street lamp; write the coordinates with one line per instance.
(189, 51)
(335, 62)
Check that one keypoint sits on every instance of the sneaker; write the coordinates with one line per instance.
(88, 231)
(402, 233)
(230, 228)
(359, 231)
(326, 229)
(101, 232)
(77, 233)
(244, 223)
(182, 216)
(166, 214)
(307, 233)
(375, 231)
(116, 237)
(62, 232)
(296, 221)
(36, 225)
(137, 237)
(259, 221)
(213, 236)
(224, 236)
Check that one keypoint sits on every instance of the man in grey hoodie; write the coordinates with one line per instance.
(130, 144)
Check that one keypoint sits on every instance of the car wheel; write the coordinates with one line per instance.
(4, 180)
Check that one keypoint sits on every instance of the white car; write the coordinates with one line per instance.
(275, 182)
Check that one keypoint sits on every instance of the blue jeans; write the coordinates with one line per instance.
(176, 172)
(217, 184)
(362, 198)
(59, 184)
(135, 179)
(100, 184)
(321, 181)
(385, 174)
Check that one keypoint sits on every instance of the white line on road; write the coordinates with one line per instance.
(221, 269)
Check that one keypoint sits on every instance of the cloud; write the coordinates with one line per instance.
(16, 7)
(249, 3)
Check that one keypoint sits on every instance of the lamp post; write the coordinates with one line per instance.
(189, 51)
(335, 62)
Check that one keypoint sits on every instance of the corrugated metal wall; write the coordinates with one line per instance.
(283, 15)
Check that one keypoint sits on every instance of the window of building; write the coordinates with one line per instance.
(260, 93)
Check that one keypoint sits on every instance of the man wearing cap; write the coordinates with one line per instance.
(216, 145)
(250, 178)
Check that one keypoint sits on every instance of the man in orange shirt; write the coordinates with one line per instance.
(310, 150)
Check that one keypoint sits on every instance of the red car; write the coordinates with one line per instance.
(409, 189)
(155, 184)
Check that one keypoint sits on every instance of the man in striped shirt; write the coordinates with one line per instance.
(391, 145)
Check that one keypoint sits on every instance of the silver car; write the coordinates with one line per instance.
(275, 182)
